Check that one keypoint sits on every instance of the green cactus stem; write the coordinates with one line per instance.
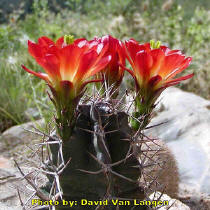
(104, 163)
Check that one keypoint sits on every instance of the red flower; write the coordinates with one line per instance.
(68, 66)
(113, 73)
(155, 69)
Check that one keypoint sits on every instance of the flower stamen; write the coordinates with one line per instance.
(68, 39)
(155, 45)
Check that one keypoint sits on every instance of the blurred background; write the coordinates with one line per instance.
(181, 24)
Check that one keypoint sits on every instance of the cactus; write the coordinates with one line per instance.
(98, 150)
(104, 163)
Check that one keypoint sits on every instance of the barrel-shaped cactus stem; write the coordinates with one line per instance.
(103, 164)
(104, 159)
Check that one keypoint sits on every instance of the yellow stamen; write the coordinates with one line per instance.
(152, 43)
(68, 39)
(158, 43)
(155, 45)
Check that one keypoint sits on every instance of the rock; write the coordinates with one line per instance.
(187, 134)
(8, 176)
(19, 134)
(19, 144)
(194, 199)
(11, 180)
(6, 207)
(4, 163)
(175, 204)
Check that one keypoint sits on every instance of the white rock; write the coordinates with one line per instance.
(187, 134)
(173, 203)
(6, 207)
(194, 199)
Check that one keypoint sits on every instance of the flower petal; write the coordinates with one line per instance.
(81, 42)
(171, 63)
(143, 63)
(158, 57)
(86, 63)
(171, 82)
(38, 74)
(35, 50)
(60, 42)
(51, 65)
(133, 47)
(99, 66)
(45, 41)
(181, 67)
(174, 52)
(165, 49)
(69, 61)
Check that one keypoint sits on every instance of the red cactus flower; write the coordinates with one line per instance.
(68, 65)
(113, 73)
(153, 68)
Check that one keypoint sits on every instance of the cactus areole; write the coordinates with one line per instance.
(98, 139)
